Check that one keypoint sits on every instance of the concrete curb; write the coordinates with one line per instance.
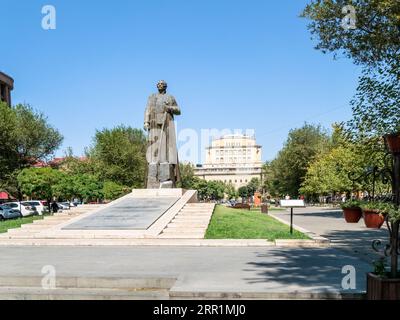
(150, 287)
(187, 295)
(163, 242)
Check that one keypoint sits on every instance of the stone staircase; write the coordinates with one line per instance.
(85, 288)
(190, 223)
(29, 231)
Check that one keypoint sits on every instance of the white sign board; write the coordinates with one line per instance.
(293, 203)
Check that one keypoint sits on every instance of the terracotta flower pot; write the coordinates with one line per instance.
(393, 142)
(373, 219)
(352, 215)
(379, 288)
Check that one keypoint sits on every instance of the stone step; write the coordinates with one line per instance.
(21, 236)
(49, 222)
(195, 212)
(110, 282)
(184, 231)
(187, 225)
(191, 221)
(188, 217)
(181, 236)
(22, 231)
(197, 209)
(29, 293)
(33, 226)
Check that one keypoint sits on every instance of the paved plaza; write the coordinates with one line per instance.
(217, 271)
(329, 223)
(277, 272)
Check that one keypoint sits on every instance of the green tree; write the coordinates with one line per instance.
(210, 190)
(376, 106)
(287, 171)
(88, 187)
(120, 155)
(375, 38)
(64, 188)
(38, 183)
(188, 179)
(26, 138)
(215, 190)
(374, 44)
(330, 172)
(112, 190)
(244, 192)
(231, 191)
(253, 186)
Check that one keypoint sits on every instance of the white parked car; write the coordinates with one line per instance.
(41, 209)
(7, 212)
(26, 210)
(64, 205)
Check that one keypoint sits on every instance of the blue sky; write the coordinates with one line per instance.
(230, 64)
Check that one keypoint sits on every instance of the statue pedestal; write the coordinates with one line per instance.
(152, 193)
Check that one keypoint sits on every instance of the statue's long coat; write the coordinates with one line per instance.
(159, 115)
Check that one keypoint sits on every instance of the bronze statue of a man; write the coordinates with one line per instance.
(162, 152)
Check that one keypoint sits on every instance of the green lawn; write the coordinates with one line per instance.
(227, 223)
(16, 223)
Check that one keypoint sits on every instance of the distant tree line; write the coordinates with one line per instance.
(111, 167)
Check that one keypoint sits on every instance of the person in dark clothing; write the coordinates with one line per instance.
(54, 207)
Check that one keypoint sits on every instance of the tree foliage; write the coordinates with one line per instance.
(344, 167)
(39, 183)
(376, 106)
(188, 179)
(120, 155)
(112, 190)
(285, 174)
(375, 39)
(26, 138)
(374, 44)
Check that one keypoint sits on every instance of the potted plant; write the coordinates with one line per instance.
(375, 213)
(384, 284)
(352, 211)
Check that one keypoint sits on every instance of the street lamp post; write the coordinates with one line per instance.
(394, 226)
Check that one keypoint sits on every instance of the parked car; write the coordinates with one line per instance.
(26, 210)
(7, 212)
(64, 205)
(40, 206)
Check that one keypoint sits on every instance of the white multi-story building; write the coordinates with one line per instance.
(232, 159)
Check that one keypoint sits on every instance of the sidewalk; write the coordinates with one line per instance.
(329, 223)
(250, 272)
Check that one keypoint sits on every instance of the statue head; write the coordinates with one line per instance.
(162, 86)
